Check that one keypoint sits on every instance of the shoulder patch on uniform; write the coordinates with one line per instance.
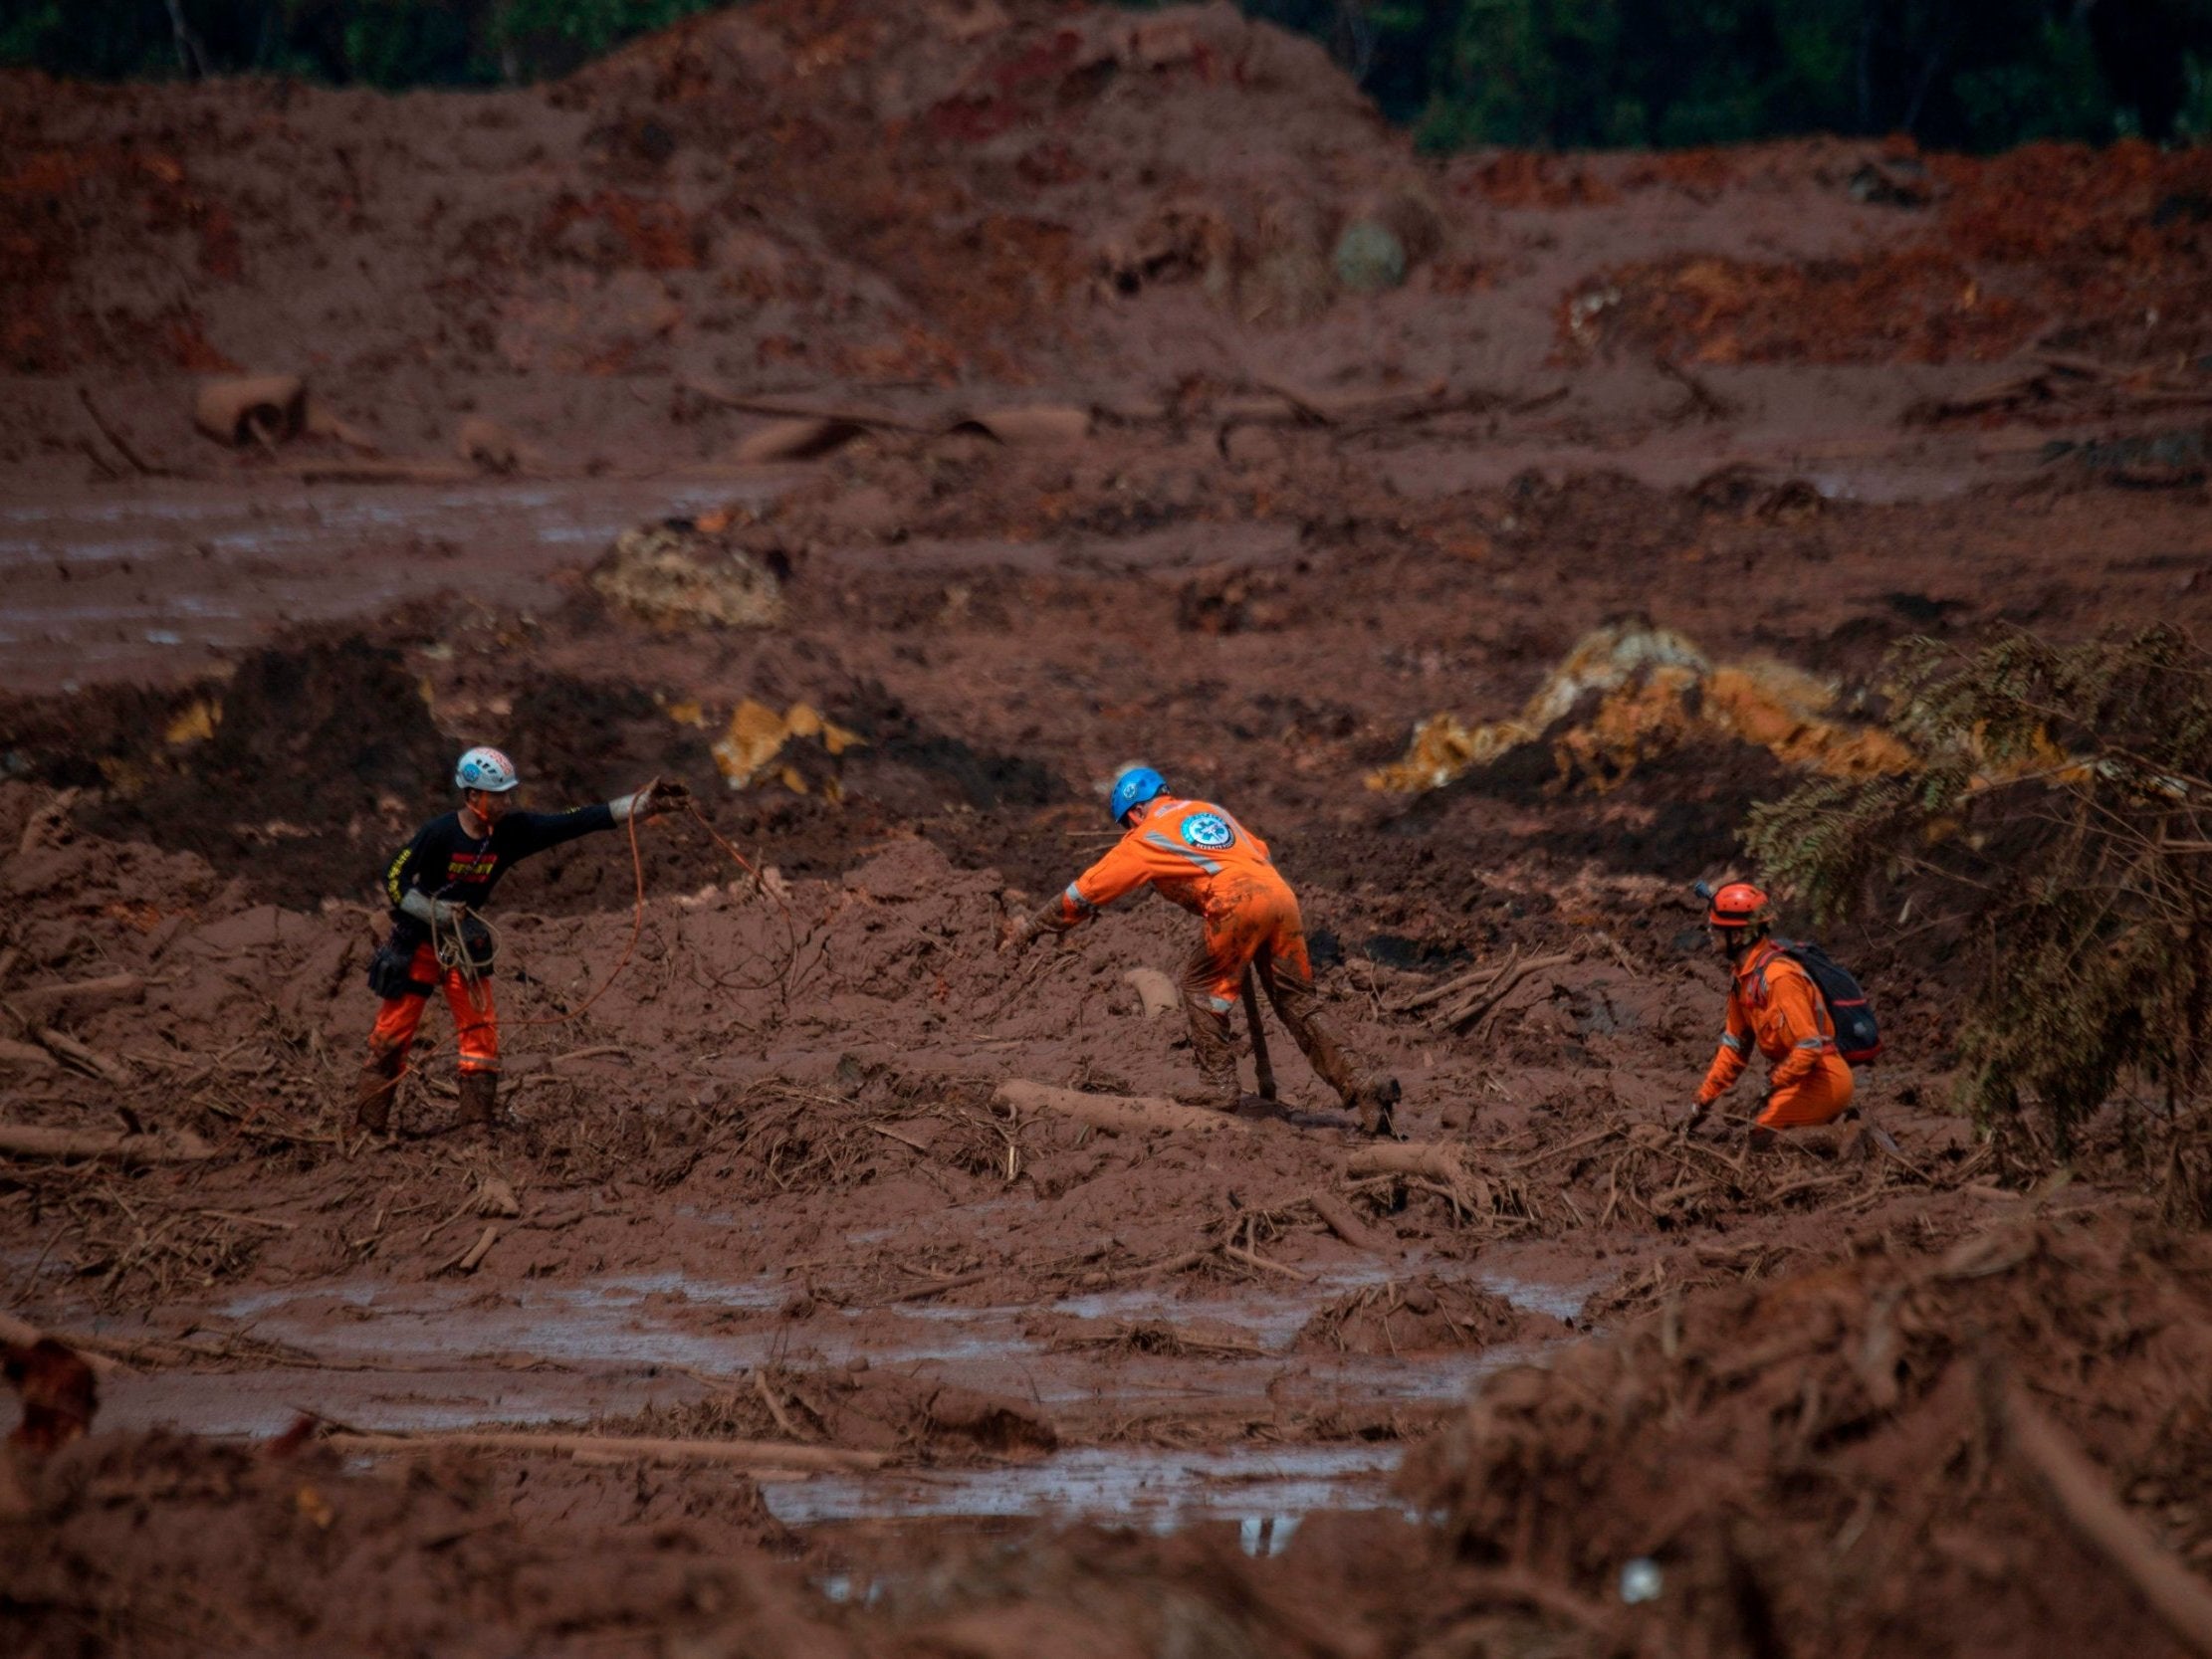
(1208, 830)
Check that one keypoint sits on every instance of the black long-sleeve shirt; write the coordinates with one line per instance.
(446, 862)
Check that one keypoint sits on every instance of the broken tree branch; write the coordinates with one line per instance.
(1341, 1219)
(2085, 1500)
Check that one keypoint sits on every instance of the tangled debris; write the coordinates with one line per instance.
(1629, 692)
(1861, 1453)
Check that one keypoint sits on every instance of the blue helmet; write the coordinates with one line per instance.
(1135, 786)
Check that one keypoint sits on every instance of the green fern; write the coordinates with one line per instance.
(2059, 829)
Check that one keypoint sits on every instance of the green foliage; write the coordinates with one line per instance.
(2196, 110)
(2060, 834)
(2050, 91)
(378, 43)
(1977, 73)
(541, 38)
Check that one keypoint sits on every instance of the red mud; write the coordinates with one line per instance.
(1796, 401)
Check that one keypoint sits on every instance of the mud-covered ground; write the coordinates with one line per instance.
(890, 1364)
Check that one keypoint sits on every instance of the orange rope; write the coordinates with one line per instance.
(745, 864)
(637, 928)
(637, 913)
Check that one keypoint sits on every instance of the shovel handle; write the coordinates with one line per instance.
(1260, 1064)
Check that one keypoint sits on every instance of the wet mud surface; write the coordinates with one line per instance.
(742, 518)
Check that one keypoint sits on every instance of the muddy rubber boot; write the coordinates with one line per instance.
(480, 1100)
(1376, 1100)
(372, 1096)
(1213, 1050)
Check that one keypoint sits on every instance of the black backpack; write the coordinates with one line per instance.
(1857, 1034)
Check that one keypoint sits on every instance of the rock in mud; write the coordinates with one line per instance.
(1369, 258)
(676, 575)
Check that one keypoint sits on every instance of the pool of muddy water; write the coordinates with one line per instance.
(444, 1355)
(150, 581)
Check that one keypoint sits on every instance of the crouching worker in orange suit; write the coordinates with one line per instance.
(1773, 1004)
(439, 879)
(1197, 856)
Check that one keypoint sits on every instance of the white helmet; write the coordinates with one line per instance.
(486, 769)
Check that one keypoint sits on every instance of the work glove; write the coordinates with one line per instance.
(649, 802)
(1016, 935)
(439, 913)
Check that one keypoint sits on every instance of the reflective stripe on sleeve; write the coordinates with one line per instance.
(1733, 1043)
(1155, 839)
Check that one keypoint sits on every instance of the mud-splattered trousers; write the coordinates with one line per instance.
(445, 860)
(1196, 855)
(1773, 1004)
(475, 1016)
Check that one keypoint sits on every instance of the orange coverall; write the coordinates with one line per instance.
(1196, 855)
(475, 1018)
(1774, 1003)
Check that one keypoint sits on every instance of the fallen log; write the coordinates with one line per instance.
(771, 1455)
(1032, 426)
(242, 409)
(44, 1003)
(26, 1055)
(1408, 1157)
(69, 1051)
(794, 409)
(2087, 1503)
(1116, 1114)
(23, 1141)
(1341, 1219)
(795, 440)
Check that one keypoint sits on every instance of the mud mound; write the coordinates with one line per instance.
(136, 1531)
(1885, 1403)
(173, 1546)
(1421, 1314)
(324, 741)
(954, 192)
(2121, 236)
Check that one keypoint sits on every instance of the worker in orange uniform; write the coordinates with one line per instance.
(1773, 1004)
(1197, 856)
(436, 884)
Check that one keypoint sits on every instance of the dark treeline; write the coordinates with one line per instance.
(1954, 74)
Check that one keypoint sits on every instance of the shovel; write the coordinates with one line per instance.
(1260, 1062)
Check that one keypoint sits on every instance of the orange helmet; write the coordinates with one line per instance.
(1739, 905)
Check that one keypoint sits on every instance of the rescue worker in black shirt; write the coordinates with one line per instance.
(443, 875)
